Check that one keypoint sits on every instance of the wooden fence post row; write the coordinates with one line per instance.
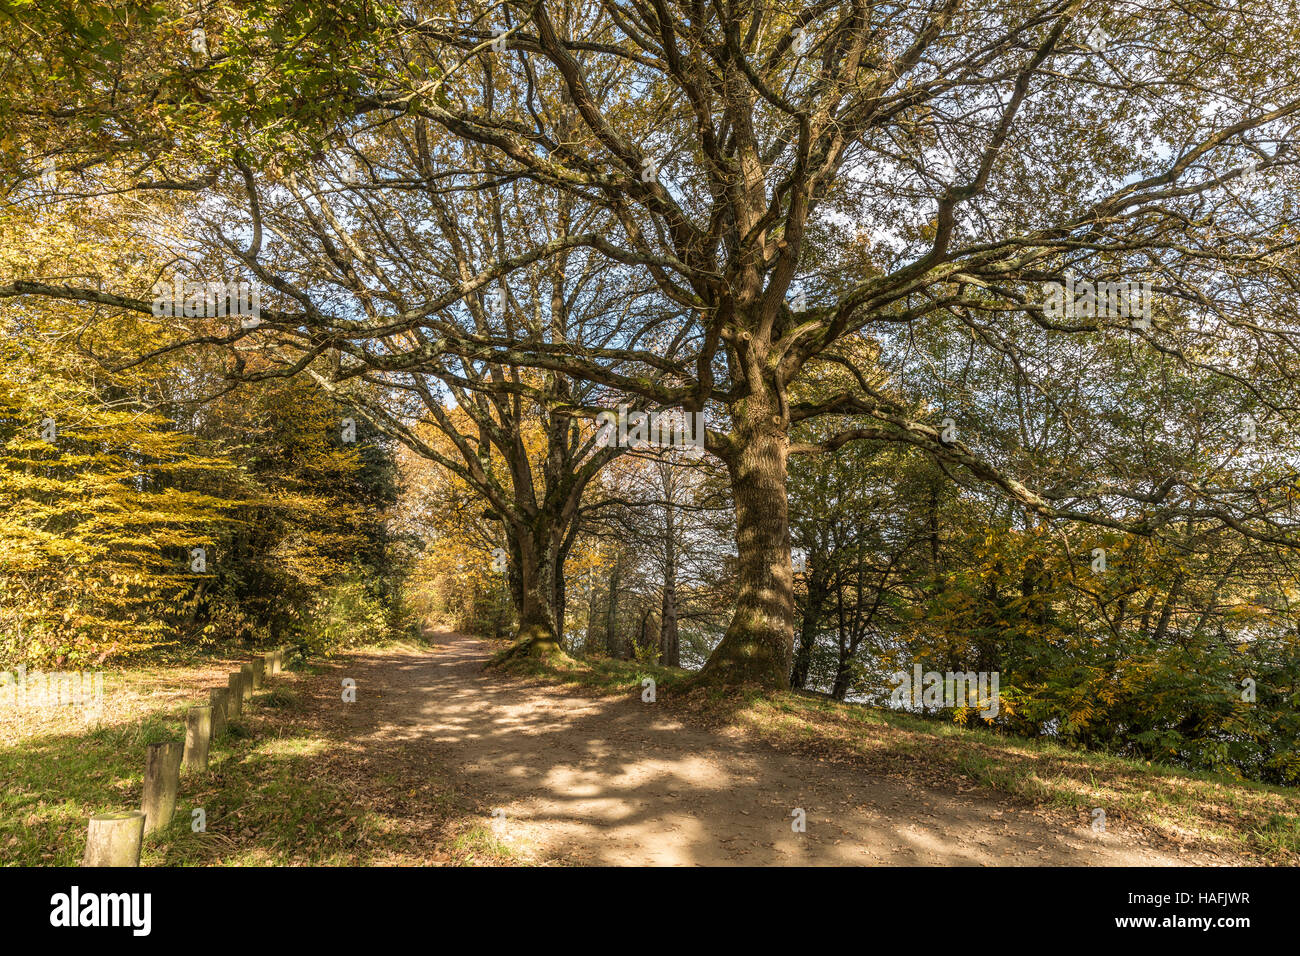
(198, 735)
(235, 695)
(218, 700)
(162, 776)
(114, 839)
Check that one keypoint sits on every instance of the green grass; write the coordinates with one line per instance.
(600, 674)
(282, 786)
(56, 782)
(479, 844)
(263, 802)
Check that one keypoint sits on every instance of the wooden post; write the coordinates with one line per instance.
(235, 684)
(217, 700)
(268, 664)
(198, 733)
(279, 660)
(162, 778)
(246, 674)
(259, 671)
(113, 839)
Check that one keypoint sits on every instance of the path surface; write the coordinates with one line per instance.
(615, 781)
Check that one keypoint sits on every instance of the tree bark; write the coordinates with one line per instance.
(645, 643)
(808, 631)
(670, 651)
(840, 686)
(538, 566)
(593, 615)
(613, 641)
(759, 643)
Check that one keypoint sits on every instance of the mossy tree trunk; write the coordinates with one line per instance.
(537, 557)
(759, 643)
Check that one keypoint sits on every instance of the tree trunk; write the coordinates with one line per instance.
(613, 643)
(559, 600)
(670, 652)
(840, 686)
(670, 648)
(538, 565)
(759, 643)
(644, 644)
(808, 631)
(593, 615)
(537, 616)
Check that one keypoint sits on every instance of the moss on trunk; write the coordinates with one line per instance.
(759, 643)
(535, 641)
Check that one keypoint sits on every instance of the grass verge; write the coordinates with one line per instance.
(284, 786)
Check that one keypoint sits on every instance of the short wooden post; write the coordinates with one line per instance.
(162, 777)
(279, 660)
(268, 663)
(113, 839)
(217, 700)
(246, 672)
(235, 705)
(198, 733)
(259, 672)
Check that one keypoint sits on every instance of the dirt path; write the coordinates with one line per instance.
(616, 781)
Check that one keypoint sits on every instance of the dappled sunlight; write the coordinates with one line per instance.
(612, 780)
(293, 747)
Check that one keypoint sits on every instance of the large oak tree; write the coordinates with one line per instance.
(791, 185)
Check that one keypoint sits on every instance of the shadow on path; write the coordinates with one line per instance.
(616, 781)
